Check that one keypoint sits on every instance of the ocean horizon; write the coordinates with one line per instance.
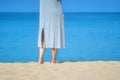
(89, 37)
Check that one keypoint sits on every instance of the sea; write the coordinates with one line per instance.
(89, 36)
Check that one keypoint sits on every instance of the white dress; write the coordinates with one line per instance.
(51, 24)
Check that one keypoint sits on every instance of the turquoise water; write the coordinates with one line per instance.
(89, 37)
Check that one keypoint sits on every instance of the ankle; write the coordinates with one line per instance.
(53, 61)
(40, 62)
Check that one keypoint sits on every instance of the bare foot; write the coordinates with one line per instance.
(40, 62)
(54, 62)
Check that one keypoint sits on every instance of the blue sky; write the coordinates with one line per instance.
(68, 5)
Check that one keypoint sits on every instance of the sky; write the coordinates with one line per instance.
(68, 5)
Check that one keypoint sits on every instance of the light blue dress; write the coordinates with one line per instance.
(51, 24)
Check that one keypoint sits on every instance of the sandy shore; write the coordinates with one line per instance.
(97, 70)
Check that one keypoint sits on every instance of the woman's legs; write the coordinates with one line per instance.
(54, 54)
(42, 51)
(41, 58)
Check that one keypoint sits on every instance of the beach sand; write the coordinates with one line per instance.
(87, 70)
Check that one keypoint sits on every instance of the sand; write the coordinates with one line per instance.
(96, 70)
